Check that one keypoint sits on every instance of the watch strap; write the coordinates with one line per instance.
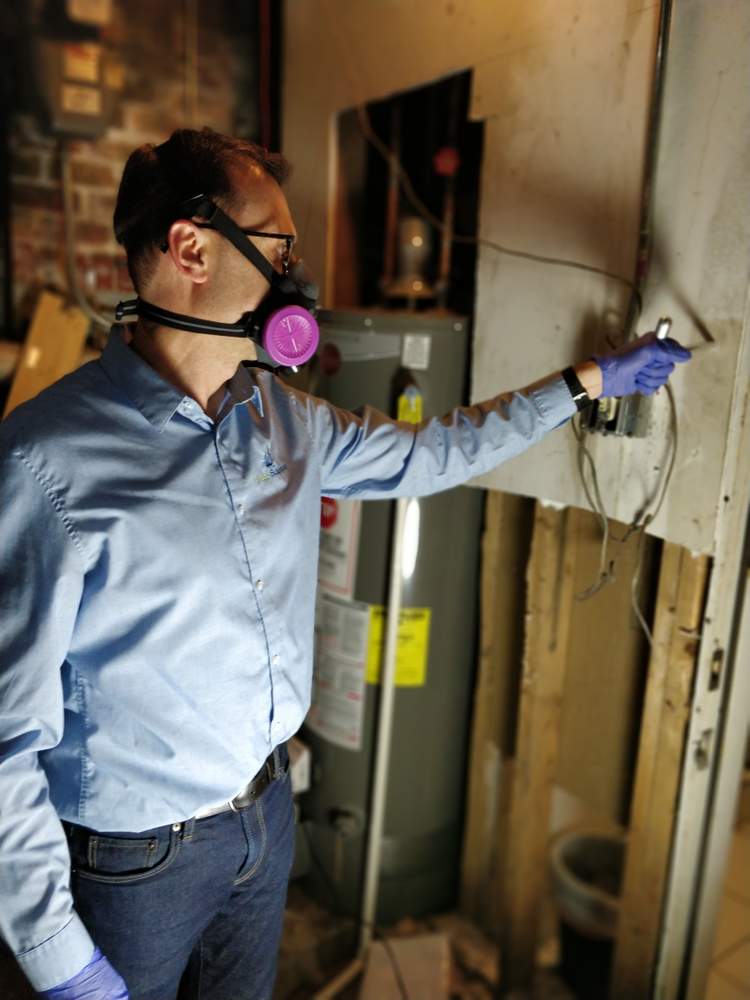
(580, 397)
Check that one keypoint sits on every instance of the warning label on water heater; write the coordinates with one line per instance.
(342, 630)
(412, 645)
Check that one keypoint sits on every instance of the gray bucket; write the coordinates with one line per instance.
(587, 866)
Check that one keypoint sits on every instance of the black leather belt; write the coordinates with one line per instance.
(252, 791)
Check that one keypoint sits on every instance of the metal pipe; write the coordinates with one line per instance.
(384, 733)
(449, 198)
(391, 206)
(645, 230)
(74, 290)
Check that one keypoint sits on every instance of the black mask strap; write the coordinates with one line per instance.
(178, 321)
(216, 219)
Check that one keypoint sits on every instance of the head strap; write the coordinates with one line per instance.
(217, 219)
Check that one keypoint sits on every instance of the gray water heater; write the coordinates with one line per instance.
(368, 358)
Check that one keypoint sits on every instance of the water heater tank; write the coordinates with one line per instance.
(368, 358)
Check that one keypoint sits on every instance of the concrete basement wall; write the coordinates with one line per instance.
(563, 87)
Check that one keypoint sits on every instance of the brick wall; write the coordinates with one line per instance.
(148, 39)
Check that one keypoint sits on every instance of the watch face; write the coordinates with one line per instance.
(291, 335)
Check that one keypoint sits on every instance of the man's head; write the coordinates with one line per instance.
(200, 268)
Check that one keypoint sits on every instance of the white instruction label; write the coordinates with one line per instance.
(338, 694)
(415, 353)
(80, 100)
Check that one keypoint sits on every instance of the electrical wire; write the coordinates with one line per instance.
(606, 572)
(649, 517)
(376, 929)
(70, 266)
(648, 513)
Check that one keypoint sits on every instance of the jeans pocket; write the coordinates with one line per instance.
(122, 858)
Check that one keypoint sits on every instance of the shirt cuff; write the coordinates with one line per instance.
(59, 958)
(554, 402)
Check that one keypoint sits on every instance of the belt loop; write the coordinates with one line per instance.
(187, 828)
(276, 767)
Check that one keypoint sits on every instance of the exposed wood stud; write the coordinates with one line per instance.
(679, 607)
(550, 582)
(505, 553)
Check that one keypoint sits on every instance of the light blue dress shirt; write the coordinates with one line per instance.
(157, 591)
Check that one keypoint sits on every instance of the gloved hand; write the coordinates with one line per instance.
(641, 365)
(97, 981)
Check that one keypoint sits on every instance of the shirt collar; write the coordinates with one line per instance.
(156, 398)
(242, 388)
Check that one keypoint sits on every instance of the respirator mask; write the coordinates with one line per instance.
(283, 324)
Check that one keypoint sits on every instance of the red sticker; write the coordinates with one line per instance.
(329, 511)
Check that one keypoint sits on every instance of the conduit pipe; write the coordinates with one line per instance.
(384, 734)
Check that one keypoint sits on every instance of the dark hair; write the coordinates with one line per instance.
(157, 179)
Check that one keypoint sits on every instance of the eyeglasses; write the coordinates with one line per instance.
(286, 253)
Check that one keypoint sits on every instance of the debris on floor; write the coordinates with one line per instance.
(318, 945)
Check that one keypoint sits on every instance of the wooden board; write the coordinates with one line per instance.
(606, 672)
(53, 347)
(550, 598)
(679, 608)
(424, 963)
(505, 552)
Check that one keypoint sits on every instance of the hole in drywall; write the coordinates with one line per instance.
(440, 151)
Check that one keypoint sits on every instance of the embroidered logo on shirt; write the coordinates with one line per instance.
(270, 469)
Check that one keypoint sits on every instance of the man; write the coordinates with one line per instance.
(158, 558)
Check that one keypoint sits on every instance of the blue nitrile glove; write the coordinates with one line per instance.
(642, 365)
(97, 981)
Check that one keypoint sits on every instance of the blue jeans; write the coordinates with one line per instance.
(194, 910)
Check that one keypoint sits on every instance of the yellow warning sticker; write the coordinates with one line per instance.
(410, 405)
(411, 648)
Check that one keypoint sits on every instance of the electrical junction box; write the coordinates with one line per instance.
(626, 417)
(98, 12)
(70, 77)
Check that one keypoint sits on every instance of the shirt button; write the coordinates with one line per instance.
(240, 508)
(259, 585)
(276, 659)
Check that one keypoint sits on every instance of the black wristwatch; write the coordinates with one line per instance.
(580, 397)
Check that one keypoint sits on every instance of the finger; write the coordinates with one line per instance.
(658, 370)
(649, 382)
(674, 350)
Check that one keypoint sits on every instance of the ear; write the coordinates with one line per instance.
(188, 249)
